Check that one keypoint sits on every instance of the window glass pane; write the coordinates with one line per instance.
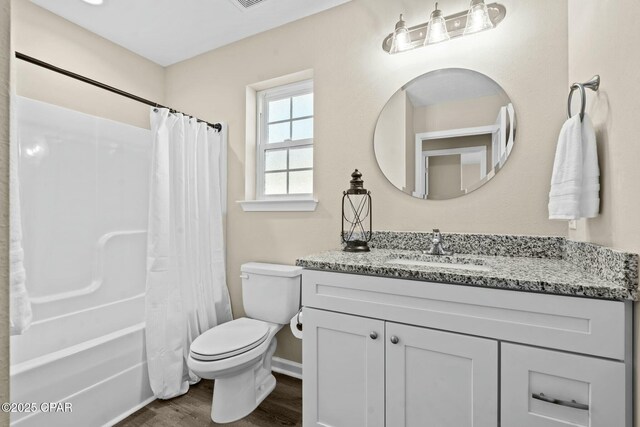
(303, 105)
(279, 110)
(279, 132)
(301, 182)
(275, 183)
(301, 158)
(275, 160)
(302, 129)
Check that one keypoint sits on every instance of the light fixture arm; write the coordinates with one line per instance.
(456, 24)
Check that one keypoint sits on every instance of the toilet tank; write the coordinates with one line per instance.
(271, 292)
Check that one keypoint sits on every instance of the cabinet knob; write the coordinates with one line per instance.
(373, 335)
(395, 339)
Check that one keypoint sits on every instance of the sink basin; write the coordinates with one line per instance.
(436, 264)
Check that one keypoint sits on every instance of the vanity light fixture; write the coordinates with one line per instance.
(439, 28)
(436, 28)
(477, 18)
(400, 37)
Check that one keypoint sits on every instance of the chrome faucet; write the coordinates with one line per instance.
(437, 246)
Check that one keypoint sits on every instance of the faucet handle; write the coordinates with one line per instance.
(437, 246)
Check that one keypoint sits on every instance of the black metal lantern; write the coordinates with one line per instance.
(356, 215)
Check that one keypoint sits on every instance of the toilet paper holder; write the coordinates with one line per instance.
(298, 323)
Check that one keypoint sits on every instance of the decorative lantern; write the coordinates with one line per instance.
(356, 215)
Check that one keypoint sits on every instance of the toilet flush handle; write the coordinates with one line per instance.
(244, 276)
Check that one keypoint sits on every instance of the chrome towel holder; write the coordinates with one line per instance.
(593, 84)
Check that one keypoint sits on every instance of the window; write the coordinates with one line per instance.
(284, 161)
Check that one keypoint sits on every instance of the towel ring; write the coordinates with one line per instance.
(583, 99)
(593, 84)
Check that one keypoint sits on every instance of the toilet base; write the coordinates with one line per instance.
(236, 396)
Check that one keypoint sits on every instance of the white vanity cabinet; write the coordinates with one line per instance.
(554, 389)
(367, 371)
(448, 379)
(394, 352)
(347, 360)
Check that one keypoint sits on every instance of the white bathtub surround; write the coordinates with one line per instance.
(20, 306)
(186, 284)
(84, 188)
(575, 184)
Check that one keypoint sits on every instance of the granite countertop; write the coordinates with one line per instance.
(564, 268)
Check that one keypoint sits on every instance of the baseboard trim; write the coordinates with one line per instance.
(286, 367)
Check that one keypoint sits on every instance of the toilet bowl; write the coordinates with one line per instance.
(237, 354)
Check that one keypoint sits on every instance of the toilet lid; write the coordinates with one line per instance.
(229, 339)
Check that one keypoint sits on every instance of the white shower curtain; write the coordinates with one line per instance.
(186, 285)
(20, 304)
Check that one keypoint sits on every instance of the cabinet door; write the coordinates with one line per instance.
(440, 379)
(545, 388)
(343, 376)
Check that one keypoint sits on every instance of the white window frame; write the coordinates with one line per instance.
(264, 97)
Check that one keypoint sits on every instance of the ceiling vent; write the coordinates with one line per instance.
(246, 4)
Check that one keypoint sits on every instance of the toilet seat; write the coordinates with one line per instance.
(229, 339)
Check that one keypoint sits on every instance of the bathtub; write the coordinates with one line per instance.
(84, 189)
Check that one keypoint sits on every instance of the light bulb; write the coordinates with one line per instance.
(437, 28)
(401, 39)
(477, 18)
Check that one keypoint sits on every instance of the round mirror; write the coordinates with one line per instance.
(445, 134)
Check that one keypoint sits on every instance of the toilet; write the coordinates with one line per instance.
(237, 354)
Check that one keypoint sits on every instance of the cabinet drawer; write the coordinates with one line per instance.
(579, 325)
(545, 388)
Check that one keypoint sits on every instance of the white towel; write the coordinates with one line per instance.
(590, 198)
(20, 306)
(575, 184)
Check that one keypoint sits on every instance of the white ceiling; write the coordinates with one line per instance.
(169, 31)
(448, 85)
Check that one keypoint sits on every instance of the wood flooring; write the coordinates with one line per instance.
(283, 407)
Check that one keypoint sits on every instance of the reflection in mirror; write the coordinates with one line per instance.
(445, 134)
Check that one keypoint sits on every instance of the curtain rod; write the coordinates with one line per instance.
(35, 61)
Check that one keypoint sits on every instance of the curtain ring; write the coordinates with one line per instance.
(583, 99)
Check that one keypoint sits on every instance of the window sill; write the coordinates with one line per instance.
(306, 205)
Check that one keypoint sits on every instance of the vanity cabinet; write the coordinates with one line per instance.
(448, 379)
(395, 352)
(346, 362)
(373, 373)
(554, 389)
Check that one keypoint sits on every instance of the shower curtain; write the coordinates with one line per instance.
(20, 304)
(186, 285)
